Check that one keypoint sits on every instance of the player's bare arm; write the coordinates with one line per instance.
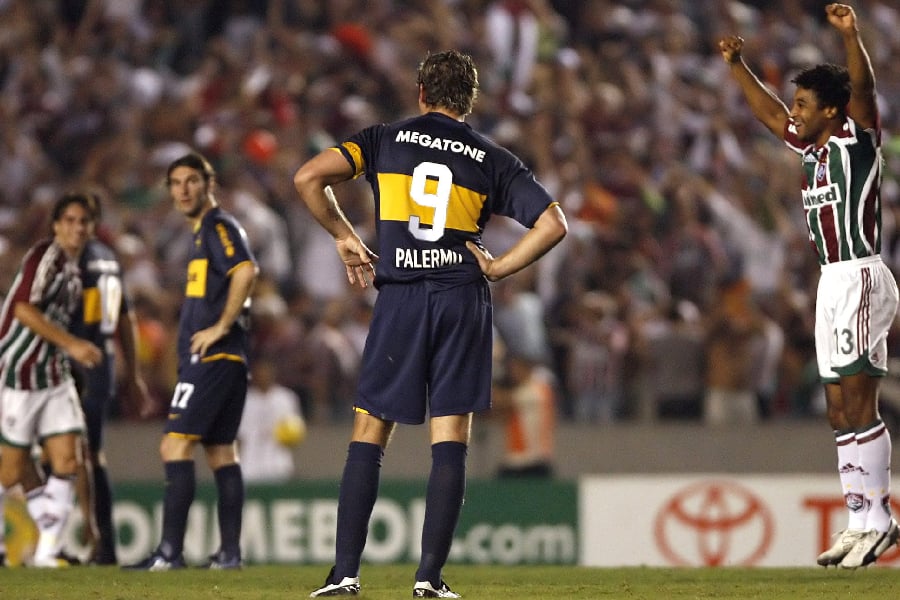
(313, 182)
(766, 106)
(80, 350)
(548, 230)
(862, 107)
(240, 286)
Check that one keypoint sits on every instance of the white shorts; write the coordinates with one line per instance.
(31, 416)
(855, 306)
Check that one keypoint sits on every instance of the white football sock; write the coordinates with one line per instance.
(874, 444)
(50, 511)
(851, 479)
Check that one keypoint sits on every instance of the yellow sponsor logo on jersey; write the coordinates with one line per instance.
(196, 278)
(92, 312)
(226, 241)
(463, 208)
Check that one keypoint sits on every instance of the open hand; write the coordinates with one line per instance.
(358, 260)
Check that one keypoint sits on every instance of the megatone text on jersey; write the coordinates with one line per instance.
(427, 141)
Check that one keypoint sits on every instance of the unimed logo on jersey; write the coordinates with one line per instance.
(816, 197)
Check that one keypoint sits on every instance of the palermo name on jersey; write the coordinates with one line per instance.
(436, 184)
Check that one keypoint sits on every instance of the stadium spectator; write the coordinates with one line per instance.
(335, 370)
(271, 426)
(630, 86)
(526, 400)
(735, 347)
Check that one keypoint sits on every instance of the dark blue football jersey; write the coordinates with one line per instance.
(436, 183)
(103, 302)
(219, 245)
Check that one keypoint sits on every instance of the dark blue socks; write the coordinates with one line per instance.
(443, 502)
(180, 487)
(106, 551)
(359, 489)
(230, 488)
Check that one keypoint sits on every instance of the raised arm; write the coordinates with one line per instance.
(862, 107)
(766, 106)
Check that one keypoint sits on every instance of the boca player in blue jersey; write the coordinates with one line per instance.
(833, 124)
(104, 317)
(213, 344)
(436, 183)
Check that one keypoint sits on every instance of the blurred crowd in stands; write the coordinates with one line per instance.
(687, 267)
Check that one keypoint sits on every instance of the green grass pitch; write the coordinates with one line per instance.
(381, 582)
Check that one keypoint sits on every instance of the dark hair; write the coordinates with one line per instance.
(82, 198)
(196, 161)
(450, 80)
(96, 206)
(830, 83)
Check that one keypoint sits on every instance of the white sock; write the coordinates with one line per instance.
(50, 511)
(851, 479)
(875, 459)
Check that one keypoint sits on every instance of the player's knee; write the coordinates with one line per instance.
(64, 467)
(175, 448)
(10, 474)
(221, 455)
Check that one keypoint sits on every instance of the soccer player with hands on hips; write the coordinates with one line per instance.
(833, 124)
(436, 182)
(213, 347)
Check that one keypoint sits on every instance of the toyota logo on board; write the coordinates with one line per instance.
(714, 523)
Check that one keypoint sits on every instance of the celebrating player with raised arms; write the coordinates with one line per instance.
(833, 125)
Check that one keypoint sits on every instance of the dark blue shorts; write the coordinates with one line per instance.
(427, 348)
(208, 401)
(96, 397)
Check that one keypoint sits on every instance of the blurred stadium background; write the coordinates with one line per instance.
(685, 217)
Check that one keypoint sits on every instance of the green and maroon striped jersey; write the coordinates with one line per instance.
(49, 280)
(842, 191)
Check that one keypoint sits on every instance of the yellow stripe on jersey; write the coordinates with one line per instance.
(196, 278)
(221, 356)
(463, 209)
(182, 436)
(359, 163)
(238, 266)
(92, 311)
